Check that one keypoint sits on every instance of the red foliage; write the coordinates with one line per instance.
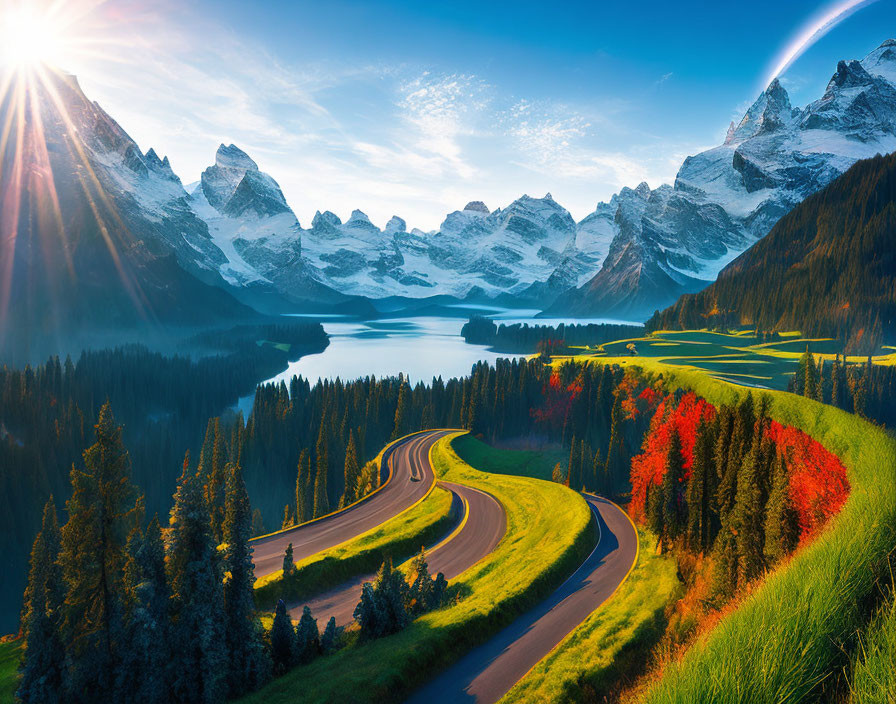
(818, 483)
(650, 466)
(557, 401)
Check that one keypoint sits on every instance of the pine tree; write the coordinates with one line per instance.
(200, 659)
(321, 498)
(283, 640)
(352, 473)
(617, 457)
(781, 524)
(382, 609)
(574, 471)
(747, 516)
(304, 498)
(700, 490)
(289, 565)
(673, 510)
(101, 514)
(655, 512)
(42, 671)
(328, 639)
(249, 666)
(307, 637)
(402, 412)
(145, 672)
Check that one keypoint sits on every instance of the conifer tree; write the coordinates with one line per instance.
(283, 640)
(402, 412)
(289, 565)
(574, 471)
(249, 666)
(304, 485)
(673, 510)
(352, 473)
(101, 515)
(328, 639)
(747, 516)
(382, 609)
(307, 637)
(321, 497)
(617, 456)
(700, 490)
(655, 512)
(42, 671)
(200, 661)
(781, 524)
(146, 663)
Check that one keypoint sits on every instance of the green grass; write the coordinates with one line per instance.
(613, 639)
(549, 532)
(874, 673)
(789, 639)
(10, 653)
(399, 537)
(725, 356)
(537, 464)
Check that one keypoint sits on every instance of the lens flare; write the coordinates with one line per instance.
(36, 131)
(811, 32)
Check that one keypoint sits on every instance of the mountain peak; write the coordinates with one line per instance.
(232, 157)
(358, 216)
(476, 206)
(882, 61)
(395, 224)
(770, 112)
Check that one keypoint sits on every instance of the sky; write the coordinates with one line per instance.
(414, 108)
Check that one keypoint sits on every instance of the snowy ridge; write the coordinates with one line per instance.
(726, 198)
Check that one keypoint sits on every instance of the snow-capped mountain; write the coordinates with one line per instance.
(105, 237)
(474, 249)
(676, 239)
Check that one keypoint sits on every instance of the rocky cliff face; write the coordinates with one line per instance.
(726, 198)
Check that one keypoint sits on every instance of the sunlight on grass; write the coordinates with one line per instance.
(589, 659)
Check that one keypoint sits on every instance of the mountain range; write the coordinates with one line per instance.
(827, 268)
(122, 228)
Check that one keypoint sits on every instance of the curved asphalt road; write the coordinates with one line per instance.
(483, 524)
(487, 673)
(411, 478)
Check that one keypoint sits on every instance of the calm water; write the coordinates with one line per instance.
(420, 348)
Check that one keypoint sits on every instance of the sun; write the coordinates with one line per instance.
(30, 39)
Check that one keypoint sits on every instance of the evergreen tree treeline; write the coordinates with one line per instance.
(114, 612)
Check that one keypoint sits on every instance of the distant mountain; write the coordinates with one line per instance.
(96, 235)
(827, 268)
(676, 239)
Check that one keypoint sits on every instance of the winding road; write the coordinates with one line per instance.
(487, 673)
(481, 528)
(408, 478)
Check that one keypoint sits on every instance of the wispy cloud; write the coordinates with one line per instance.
(390, 139)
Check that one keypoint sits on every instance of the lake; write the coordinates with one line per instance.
(420, 348)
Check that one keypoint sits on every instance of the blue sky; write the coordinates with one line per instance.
(415, 108)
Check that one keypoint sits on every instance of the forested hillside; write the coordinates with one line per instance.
(826, 269)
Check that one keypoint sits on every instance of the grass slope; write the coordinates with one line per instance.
(537, 464)
(793, 633)
(549, 532)
(10, 653)
(611, 640)
(399, 537)
(736, 357)
(874, 674)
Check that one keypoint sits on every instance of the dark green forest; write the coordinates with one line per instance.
(47, 415)
(828, 268)
(525, 339)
